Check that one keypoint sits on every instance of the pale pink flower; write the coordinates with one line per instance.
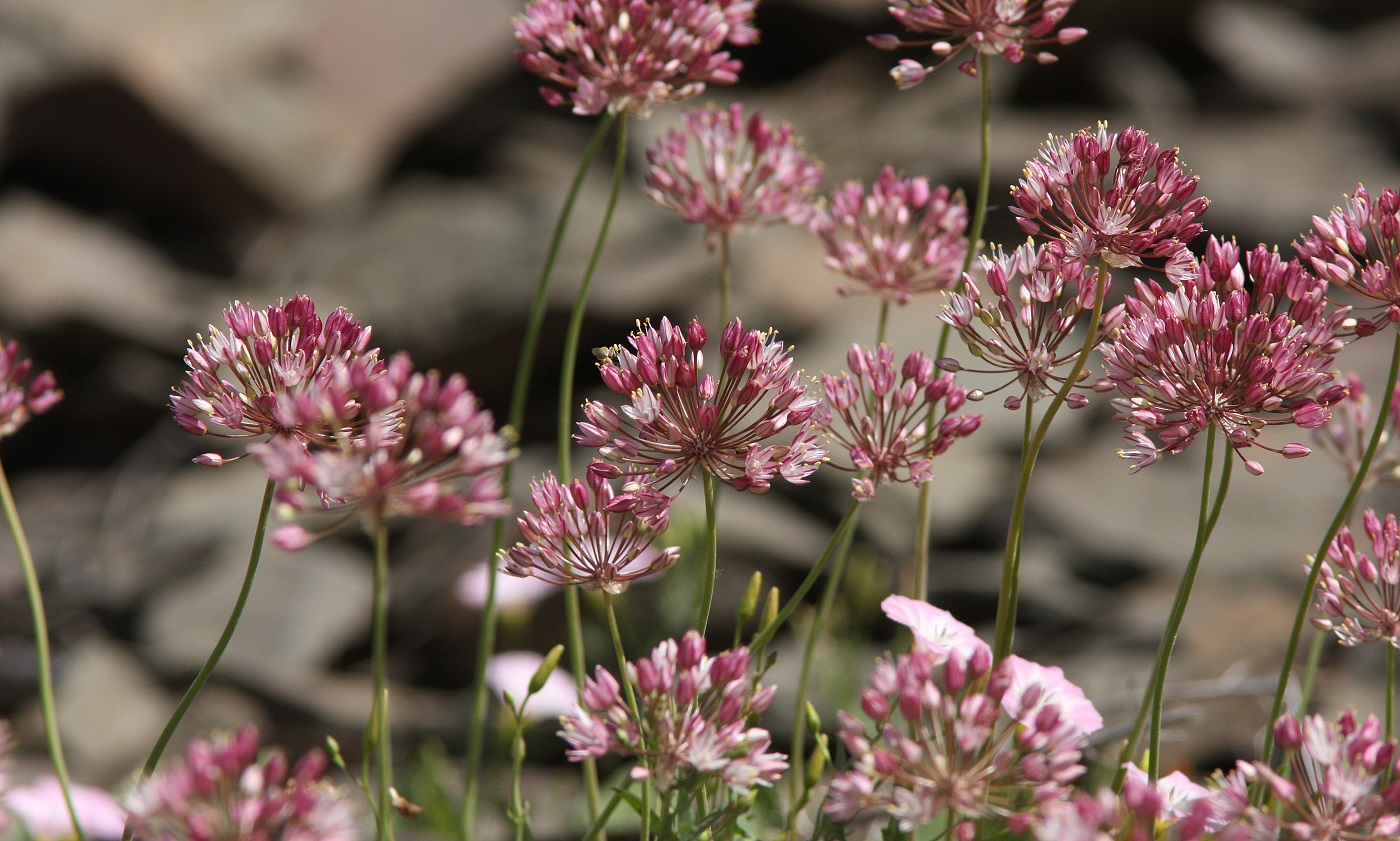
(935, 629)
(512, 594)
(1117, 197)
(41, 808)
(628, 56)
(679, 418)
(1346, 436)
(990, 27)
(510, 672)
(901, 239)
(1357, 248)
(1175, 809)
(22, 397)
(1035, 688)
(1217, 351)
(1359, 594)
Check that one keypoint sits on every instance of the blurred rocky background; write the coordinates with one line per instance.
(161, 158)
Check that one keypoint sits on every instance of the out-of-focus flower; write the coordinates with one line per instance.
(1175, 809)
(935, 630)
(425, 438)
(41, 808)
(223, 791)
(1119, 197)
(1345, 437)
(21, 397)
(680, 419)
(268, 354)
(1219, 352)
(694, 718)
(892, 423)
(628, 56)
(512, 594)
(512, 671)
(900, 240)
(741, 173)
(1357, 248)
(1040, 296)
(948, 743)
(991, 27)
(1360, 595)
(586, 534)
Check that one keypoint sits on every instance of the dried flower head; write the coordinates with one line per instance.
(1360, 594)
(1345, 437)
(1117, 197)
(1357, 248)
(731, 174)
(892, 422)
(989, 27)
(21, 397)
(1040, 296)
(268, 355)
(628, 56)
(694, 718)
(222, 791)
(586, 534)
(680, 419)
(900, 240)
(1218, 351)
(412, 443)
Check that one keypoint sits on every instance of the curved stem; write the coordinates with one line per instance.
(47, 707)
(838, 537)
(520, 391)
(1343, 512)
(379, 734)
(1006, 604)
(725, 276)
(711, 568)
(596, 830)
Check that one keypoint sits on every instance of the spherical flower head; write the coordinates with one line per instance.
(628, 56)
(1357, 248)
(900, 240)
(1220, 352)
(590, 535)
(237, 377)
(23, 396)
(1345, 437)
(729, 173)
(679, 418)
(990, 27)
(947, 742)
(417, 445)
(1359, 594)
(892, 422)
(223, 791)
(1039, 296)
(1116, 197)
(40, 806)
(694, 719)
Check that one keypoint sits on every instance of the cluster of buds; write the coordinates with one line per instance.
(1357, 248)
(1359, 594)
(892, 422)
(23, 397)
(691, 719)
(1174, 809)
(1346, 436)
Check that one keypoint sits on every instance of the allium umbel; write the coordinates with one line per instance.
(891, 421)
(991, 27)
(1357, 248)
(680, 418)
(222, 791)
(586, 534)
(730, 174)
(1038, 298)
(1359, 594)
(901, 239)
(694, 718)
(631, 55)
(21, 397)
(1217, 352)
(1119, 197)
(1346, 436)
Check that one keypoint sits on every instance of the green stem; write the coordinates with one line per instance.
(1343, 512)
(379, 659)
(596, 830)
(838, 537)
(47, 707)
(882, 326)
(520, 392)
(1006, 604)
(711, 569)
(725, 276)
(1309, 675)
(1389, 691)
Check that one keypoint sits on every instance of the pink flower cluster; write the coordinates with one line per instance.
(957, 736)
(222, 790)
(21, 397)
(1357, 248)
(680, 419)
(892, 422)
(692, 719)
(631, 55)
(742, 173)
(1359, 594)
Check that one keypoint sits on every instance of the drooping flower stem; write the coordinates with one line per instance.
(377, 736)
(47, 708)
(520, 392)
(1343, 513)
(839, 537)
(709, 572)
(1006, 604)
(726, 273)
